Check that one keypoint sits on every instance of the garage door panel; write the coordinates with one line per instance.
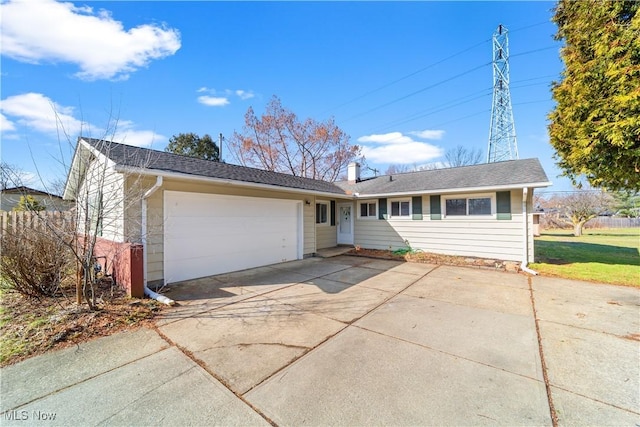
(211, 234)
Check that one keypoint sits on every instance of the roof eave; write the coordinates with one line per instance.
(78, 167)
(458, 190)
(222, 181)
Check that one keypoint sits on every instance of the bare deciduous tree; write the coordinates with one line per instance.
(458, 156)
(10, 176)
(576, 208)
(278, 141)
(462, 156)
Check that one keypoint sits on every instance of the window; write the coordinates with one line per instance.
(468, 206)
(322, 209)
(480, 206)
(456, 207)
(400, 208)
(368, 210)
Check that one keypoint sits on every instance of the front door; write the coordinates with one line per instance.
(345, 224)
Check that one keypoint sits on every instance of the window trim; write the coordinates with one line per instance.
(390, 202)
(368, 202)
(467, 196)
(328, 216)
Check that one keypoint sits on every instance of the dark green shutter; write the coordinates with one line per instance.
(333, 212)
(503, 205)
(416, 207)
(436, 212)
(382, 209)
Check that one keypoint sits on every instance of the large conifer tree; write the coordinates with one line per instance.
(595, 126)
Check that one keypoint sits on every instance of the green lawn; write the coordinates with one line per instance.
(600, 255)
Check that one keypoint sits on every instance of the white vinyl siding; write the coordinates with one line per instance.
(102, 184)
(326, 236)
(479, 236)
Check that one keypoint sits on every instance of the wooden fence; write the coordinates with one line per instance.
(611, 222)
(11, 222)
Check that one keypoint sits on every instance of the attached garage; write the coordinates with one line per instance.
(207, 234)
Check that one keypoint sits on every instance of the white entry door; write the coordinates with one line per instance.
(345, 224)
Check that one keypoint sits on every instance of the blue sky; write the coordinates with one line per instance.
(406, 80)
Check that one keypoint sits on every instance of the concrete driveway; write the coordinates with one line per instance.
(354, 341)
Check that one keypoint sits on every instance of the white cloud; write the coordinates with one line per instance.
(394, 147)
(428, 134)
(45, 30)
(386, 138)
(213, 101)
(243, 94)
(220, 98)
(127, 134)
(36, 111)
(40, 113)
(6, 125)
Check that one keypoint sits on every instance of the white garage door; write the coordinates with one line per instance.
(208, 234)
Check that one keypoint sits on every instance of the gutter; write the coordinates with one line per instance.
(525, 232)
(147, 291)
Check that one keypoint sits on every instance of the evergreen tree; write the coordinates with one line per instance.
(190, 144)
(595, 126)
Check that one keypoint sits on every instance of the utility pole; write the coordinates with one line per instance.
(502, 130)
(220, 139)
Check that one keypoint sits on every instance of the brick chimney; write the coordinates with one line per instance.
(353, 172)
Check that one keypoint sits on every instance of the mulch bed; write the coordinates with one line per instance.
(438, 259)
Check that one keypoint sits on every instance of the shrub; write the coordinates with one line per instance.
(34, 262)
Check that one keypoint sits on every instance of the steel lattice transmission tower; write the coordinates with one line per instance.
(502, 133)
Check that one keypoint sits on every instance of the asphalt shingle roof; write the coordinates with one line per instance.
(127, 155)
(516, 173)
(508, 173)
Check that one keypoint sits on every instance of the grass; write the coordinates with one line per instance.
(599, 255)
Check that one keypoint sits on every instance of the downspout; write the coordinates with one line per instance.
(525, 232)
(147, 291)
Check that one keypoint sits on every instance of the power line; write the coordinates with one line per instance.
(457, 102)
(441, 82)
(527, 52)
(439, 108)
(488, 110)
(526, 27)
(418, 91)
(393, 82)
(378, 89)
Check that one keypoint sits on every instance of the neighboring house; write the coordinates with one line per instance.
(192, 218)
(10, 197)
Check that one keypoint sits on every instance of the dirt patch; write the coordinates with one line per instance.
(431, 258)
(31, 326)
